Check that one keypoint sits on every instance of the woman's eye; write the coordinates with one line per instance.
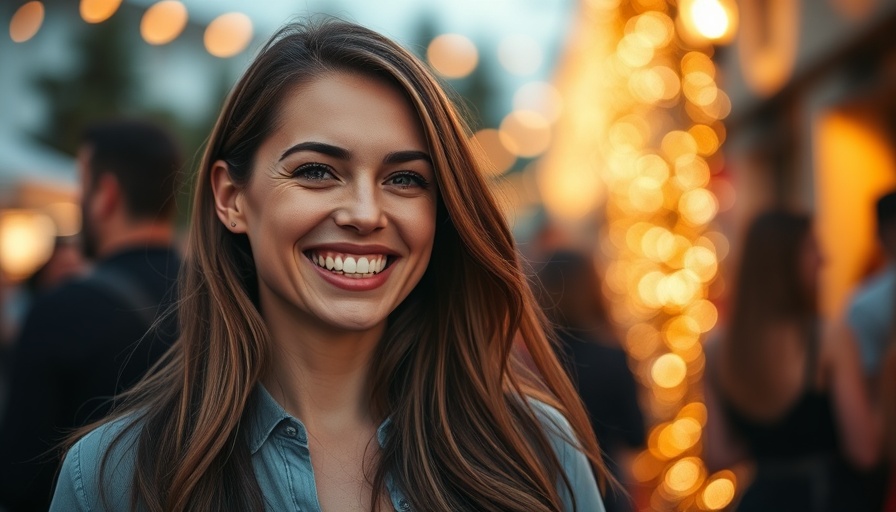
(313, 172)
(407, 179)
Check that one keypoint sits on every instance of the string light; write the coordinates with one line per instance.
(648, 116)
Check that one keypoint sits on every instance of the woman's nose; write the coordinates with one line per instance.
(362, 210)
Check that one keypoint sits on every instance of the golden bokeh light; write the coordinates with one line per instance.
(26, 242)
(656, 27)
(452, 55)
(163, 22)
(98, 11)
(228, 34)
(668, 371)
(525, 133)
(648, 113)
(708, 20)
(719, 491)
(26, 21)
(706, 138)
(635, 50)
(498, 159)
(698, 206)
(681, 333)
(684, 476)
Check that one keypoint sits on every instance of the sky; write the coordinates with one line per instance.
(486, 22)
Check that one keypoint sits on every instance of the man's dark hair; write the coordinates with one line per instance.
(143, 157)
(886, 209)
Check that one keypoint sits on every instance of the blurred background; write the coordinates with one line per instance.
(647, 132)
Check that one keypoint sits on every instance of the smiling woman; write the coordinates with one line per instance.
(352, 301)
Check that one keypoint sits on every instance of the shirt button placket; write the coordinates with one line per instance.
(290, 431)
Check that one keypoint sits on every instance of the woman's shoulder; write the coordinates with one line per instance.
(575, 464)
(97, 470)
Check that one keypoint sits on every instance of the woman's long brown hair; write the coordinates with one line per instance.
(768, 292)
(447, 372)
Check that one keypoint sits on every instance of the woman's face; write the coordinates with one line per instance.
(341, 205)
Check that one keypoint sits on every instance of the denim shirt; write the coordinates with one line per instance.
(282, 463)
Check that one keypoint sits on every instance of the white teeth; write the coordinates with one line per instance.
(349, 266)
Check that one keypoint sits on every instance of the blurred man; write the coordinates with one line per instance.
(88, 339)
(873, 307)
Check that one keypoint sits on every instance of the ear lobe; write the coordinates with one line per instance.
(106, 196)
(228, 197)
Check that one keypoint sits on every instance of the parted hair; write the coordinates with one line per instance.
(449, 371)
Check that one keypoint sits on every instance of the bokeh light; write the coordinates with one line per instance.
(452, 55)
(498, 158)
(26, 21)
(525, 133)
(669, 370)
(163, 22)
(228, 34)
(26, 242)
(98, 11)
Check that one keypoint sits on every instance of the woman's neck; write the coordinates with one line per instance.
(320, 376)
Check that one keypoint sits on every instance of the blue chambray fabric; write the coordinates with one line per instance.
(282, 462)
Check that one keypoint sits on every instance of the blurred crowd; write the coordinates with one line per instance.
(802, 408)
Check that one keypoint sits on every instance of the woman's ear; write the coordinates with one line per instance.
(228, 198)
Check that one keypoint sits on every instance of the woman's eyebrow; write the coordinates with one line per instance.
(400, 157)
(318, 147)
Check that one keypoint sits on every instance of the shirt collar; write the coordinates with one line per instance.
(268, 414)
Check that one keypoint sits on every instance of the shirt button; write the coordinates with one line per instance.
(403, 504)
(291, 431)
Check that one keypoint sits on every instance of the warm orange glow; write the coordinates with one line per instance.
(678, 143)
(681, 333)
(635, 50)
(855, 164)
(685, 476)
(98, 11)
(66, 216)
(525, 133)
(677, 437)
(26, 242)
(26, 21)
(452, 55)
(698, 206)
(163, 22)
(656, 27)
(569, 191)
(668, 371)
(498, 158)
(704, 313)
(706, 138)
(228, 34)
(691, 172)
(767, 43)
(719, 491)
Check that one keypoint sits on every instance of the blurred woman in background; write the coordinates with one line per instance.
(785, 394)
(570, 294)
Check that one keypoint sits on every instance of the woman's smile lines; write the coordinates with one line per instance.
(348, 264)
